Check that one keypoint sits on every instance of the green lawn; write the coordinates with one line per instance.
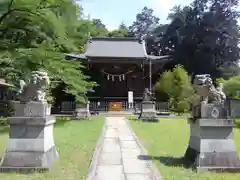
(75, 141)
(166, 143)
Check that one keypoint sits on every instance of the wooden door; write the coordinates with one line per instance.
(115, 106)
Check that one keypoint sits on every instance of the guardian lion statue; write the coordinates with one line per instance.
(34, 89)
(208, 93)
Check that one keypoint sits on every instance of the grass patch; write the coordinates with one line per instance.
(3, 121)
(75, 141)
(166, 143)
(237, 120)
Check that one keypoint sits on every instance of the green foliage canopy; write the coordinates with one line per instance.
(203, 36)
(177, 85)
(35, 35)
(231, 86)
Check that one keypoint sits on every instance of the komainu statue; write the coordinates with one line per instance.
(34, 89)
(211, 130)
(208, 93)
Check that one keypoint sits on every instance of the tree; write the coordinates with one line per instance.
(145, 22)
(122, 31)
(203, 36)
(153, 45)
(144, 26)
(177, 85)
(229, 70)
(118, 33)
(123, 26)
(98, 29)
(35, 35)
(232, 87)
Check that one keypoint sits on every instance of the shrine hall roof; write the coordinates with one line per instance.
(117, 47)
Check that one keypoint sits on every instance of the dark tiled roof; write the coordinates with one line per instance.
(116, 48)
(157, 59)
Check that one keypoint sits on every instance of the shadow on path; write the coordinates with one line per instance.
(168, 160)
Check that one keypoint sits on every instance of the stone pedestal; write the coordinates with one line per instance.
(82, 111)
(31, 143)
(211, 145)
(148, 112)
(215, 111)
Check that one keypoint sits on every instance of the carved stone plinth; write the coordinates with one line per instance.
(210, 111)
(31, 143)
(148, 112)
(82, 111)
(211, 145)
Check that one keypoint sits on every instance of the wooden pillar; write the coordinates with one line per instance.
(143, 74)
(102, 85)
(150, 75)
(129, 83)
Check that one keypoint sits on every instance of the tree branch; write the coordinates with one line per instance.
(8, 11)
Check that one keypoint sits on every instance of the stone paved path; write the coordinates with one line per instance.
(118, 156)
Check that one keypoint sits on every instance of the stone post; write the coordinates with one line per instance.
(31, 143)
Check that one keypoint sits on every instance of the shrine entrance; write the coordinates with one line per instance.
(115, 106)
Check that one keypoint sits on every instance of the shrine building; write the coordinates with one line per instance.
(119, 65)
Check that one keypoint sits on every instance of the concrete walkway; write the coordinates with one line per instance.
(118, 155)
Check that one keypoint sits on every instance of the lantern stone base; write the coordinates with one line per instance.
(211, 145)
(25, 160)
(82, 111)
(31, 143)
(148, 112)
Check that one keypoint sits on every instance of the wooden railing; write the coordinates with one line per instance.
(104, 106)
(68, 107)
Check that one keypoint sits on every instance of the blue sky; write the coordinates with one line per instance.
(113, 12)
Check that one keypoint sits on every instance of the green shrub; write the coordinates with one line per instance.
(232, 87)
(220, 80)
(6, 108)
(177, 84)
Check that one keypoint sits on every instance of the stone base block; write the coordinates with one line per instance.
(31, 121)
(211, 145)
(214, 111)
(31, 142)
(81, 113)
(149, 116)
(28, 160)
(148, 112)
(148, 105)
(32, 109)
(213, 161)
